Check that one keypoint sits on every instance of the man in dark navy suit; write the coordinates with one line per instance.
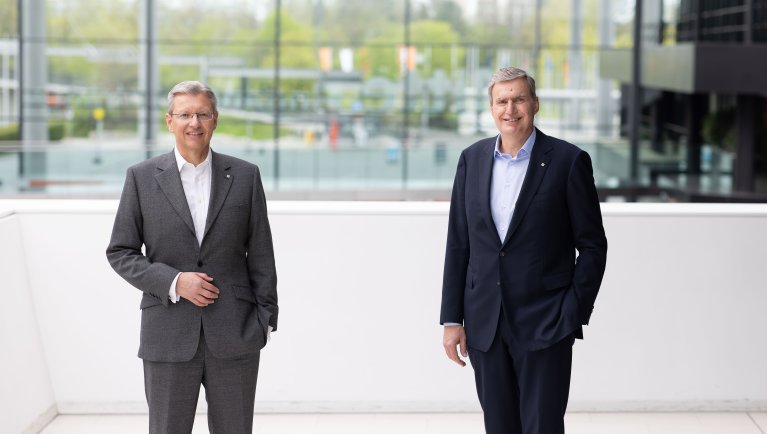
(514, 295)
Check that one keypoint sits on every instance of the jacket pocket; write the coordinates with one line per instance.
(557, 280)
(237, 208)
(148, 301)
(244, 293)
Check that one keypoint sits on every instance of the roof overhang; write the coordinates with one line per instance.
(693, 68)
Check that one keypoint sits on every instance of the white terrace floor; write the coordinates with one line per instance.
(435, 423)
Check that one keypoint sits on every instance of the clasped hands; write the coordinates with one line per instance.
(197, 288)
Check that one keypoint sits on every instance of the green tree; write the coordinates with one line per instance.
(199, 31)
(295, 40)
(103, 43)
(9, 27)
(296, 52)
(355, 22)
(449, 11)
(433, 40)
(436, 40)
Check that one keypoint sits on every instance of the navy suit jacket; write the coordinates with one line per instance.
(546, 294)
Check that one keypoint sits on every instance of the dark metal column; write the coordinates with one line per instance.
(698, 23)
(748, 22)
(33, 77)
(635, 109)
(406, 96)
(243, 93)
(537, 40)
(605, 105)
(8, 106)
(696, 108)
(149, 78)
(659, 115)
(745, 128)
(574, 59)
(276, 94)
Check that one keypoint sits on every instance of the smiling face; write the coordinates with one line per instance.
(193, 135)
(513, 108)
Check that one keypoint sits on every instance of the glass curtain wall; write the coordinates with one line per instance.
(688, 132)
(324, 95)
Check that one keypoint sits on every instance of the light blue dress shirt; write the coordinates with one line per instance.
(506, 183)
(508, 175)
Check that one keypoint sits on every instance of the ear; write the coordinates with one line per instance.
(535, 106)
(169, 121)
(215, 120)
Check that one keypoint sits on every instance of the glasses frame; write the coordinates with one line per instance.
(201, 117)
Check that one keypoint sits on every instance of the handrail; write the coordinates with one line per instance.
(279, 207)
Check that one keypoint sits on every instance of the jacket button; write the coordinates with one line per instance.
(498, 283)
(503, 253)
(199, 263)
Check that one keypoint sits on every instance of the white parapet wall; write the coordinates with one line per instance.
(26, 395)
(679, 324)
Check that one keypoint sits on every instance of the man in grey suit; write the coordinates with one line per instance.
(207, 272)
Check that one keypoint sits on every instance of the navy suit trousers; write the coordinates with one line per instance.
(525, 394)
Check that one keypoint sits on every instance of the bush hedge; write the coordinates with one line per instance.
(55, 132)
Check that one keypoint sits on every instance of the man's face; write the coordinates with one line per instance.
(192, 135)
(513, 109)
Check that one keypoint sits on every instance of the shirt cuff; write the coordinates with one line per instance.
(269, 333)
(451, 324)
(172, 291)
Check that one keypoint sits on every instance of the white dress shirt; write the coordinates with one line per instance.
(196, 181)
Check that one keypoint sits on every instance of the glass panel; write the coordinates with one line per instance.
(351, 96)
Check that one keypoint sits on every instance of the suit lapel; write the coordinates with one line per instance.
(536, 170)
(221, 181)
(485, 178)
(170, 183)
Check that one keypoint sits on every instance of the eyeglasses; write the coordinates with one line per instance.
(186, 117)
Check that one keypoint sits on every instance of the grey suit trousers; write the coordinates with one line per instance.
(172, 389)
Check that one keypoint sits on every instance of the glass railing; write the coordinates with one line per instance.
(96, 168)
(99, 168)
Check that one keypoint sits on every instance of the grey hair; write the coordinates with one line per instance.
(508, 74)
(192, 88)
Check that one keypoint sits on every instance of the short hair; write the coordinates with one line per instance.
(508, 74)
(192, 88)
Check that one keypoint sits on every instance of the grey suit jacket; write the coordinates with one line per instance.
(236, 251)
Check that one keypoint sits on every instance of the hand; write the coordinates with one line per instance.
(455, 336)
(197, 288)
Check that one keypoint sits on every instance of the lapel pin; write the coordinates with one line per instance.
(228, 176)
(543, 164)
